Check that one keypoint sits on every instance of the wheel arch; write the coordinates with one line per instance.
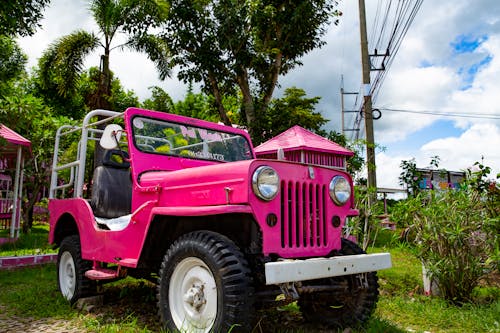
(65, 226)
(241, 228)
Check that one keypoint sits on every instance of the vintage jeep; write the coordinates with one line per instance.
(185, 203)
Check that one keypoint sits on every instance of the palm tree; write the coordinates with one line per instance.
(62, 63)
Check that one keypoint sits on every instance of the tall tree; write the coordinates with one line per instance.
(21, 17)
(294, 108)
(160, 100)
(32, 118)
(12, 62)
(62, 63)
(243, 45)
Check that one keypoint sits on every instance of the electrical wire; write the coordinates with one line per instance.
(399, 16)
(445, 114)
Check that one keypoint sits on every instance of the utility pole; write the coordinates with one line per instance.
(367, 103)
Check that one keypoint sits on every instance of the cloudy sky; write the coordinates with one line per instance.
(448, 63)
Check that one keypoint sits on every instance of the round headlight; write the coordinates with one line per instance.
(265, 183)
(340, 190)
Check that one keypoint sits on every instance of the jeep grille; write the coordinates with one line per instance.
(303, 215)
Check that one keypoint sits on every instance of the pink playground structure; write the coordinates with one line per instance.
(11, 166)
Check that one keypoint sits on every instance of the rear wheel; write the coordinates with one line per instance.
(205, 285)
(71, 270)
(351, 300)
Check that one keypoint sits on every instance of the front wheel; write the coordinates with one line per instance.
(351, 300)
(205, 285)
(71, 270)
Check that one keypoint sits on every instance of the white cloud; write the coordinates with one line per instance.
(388, 169)
(480, 143)
(412, 89)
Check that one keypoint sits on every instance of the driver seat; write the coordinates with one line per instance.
(112, 186)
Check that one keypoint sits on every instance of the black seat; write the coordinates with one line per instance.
(112, 186)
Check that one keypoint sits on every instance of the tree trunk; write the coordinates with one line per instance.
(248, 104)
(27, 215)
(102, 102)
(218, 99)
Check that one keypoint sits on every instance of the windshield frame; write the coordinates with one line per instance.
(192, 130)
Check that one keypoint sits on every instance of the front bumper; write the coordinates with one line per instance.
(318, 268)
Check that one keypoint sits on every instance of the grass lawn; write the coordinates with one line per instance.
(36, 242)
(130, 305)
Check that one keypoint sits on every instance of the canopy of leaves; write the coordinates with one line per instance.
(294, 108)
(244, 44)
(21, 17)
(118, 100)
(32, 118)
(62, 62)
(12, 59)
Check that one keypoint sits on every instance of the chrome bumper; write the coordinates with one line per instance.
(318, 268)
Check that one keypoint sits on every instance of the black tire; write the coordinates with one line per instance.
(350, 304)
(205, 266)
(71, 270)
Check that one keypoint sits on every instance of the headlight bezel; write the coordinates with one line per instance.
(259, 188)
(338, 190)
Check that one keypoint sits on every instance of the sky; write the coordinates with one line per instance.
(448, 63)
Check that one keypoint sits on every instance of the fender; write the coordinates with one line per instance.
(81, 212)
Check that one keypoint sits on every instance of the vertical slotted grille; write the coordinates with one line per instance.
(303, 215)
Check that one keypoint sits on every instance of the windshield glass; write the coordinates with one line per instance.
(162, 137)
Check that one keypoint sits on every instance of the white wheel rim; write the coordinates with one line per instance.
(192, 296)
(67, 275)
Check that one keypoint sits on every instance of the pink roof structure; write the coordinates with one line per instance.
(13, 137)
(9, 150)
(300, 145)
(298, 138)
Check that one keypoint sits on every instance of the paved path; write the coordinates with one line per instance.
(14, 324)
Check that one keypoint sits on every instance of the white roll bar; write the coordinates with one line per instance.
(78, 166)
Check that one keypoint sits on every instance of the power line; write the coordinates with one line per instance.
(445, 114)
(389, 30)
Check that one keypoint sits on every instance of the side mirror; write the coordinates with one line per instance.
(111, 136)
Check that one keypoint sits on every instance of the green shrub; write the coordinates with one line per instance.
(456, 239)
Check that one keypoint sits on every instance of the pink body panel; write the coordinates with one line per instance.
(169, 185)
(98, 244)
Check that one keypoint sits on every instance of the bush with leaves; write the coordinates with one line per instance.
(456, 238)
(365, 226)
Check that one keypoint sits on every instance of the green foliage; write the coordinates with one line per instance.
(119, 98)
(160, 100)
(196, 106)
(354, 163)
(29, 116)
(456, 238)
(21, 17)
(12, 61)
(294, 108)
(157, 51)
(243, 45)
(62, 62)
(366, 225)
(410, 177)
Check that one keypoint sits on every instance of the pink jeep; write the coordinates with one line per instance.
(185, 203)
